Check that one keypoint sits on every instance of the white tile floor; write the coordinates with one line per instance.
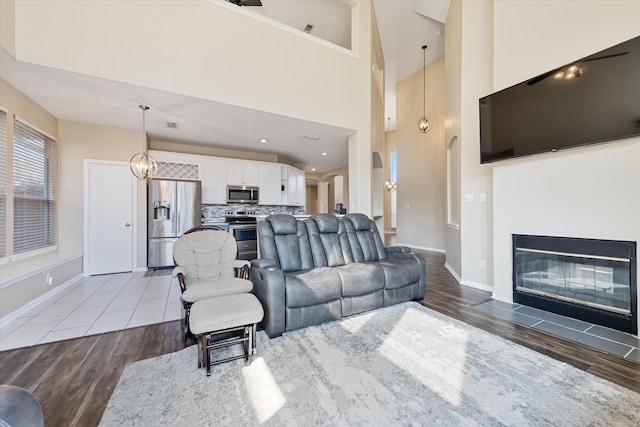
(97, 304)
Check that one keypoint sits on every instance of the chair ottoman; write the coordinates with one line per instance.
(224, 321)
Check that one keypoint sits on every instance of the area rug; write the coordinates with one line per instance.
(400, 365)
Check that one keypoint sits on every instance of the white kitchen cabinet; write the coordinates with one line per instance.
(214, 180)
(269, 183)
(176, 165)
(242, 172)
(296, 187)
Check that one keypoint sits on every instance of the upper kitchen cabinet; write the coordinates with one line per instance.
(242, 172)
(296, 187)
(270, 185)
(214, 180)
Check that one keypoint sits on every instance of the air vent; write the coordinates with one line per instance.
(311, 138)
(171, 125)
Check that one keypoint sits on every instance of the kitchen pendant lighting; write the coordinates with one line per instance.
(424, 124)
(142, 165)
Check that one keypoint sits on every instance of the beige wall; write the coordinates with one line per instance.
(31, 286)
(34, 286)
(589, 192)
(7, 27)
(421, 171)
(80, 141)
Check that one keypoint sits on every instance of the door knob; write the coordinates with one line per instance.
(127, 225)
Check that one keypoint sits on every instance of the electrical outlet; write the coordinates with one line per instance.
(483, 264)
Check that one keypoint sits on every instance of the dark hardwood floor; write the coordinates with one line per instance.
(74, 379)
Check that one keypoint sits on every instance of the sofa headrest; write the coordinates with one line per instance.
(282, 223)
(360, 222)
(327, 223)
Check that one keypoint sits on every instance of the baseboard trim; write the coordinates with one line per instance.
(477, 285)
(453, 272)
(469, 283)
(42, 298)
(422, 248)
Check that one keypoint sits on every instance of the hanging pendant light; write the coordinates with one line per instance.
(424, 124)
(142, 165)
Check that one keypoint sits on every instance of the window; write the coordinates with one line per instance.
(3, 184)
(394, 197)
(34, 189)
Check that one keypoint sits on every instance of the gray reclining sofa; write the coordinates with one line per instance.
(323, 268)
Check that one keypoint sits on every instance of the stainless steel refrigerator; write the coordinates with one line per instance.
(173, 208)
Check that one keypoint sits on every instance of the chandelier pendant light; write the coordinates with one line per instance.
(424, 124)
(142, 165)
(390, 186)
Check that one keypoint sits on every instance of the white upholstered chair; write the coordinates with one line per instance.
(206, 267)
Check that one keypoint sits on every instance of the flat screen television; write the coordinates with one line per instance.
(592, 100)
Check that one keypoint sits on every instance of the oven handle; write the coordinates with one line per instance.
(243, 226)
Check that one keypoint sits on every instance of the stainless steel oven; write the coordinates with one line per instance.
(243, 227)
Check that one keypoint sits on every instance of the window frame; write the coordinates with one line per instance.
(29, 144)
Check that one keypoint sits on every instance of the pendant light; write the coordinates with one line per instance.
(142, 165)
(424, 124)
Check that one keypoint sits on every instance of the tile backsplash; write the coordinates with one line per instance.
(215, 213)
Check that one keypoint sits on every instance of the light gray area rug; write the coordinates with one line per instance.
(401, 365)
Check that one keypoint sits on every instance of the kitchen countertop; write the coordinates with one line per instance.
(262, 217)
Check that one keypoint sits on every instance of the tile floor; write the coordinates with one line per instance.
(605, 339)
(97, 304)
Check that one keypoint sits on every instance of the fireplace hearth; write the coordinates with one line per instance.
(587, 279)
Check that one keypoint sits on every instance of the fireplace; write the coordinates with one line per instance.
(586, 279)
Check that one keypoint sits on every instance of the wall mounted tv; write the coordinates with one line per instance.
(592, 100)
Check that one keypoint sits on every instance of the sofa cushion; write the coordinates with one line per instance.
(399, 272)
(326, 223)
(312, 287)
(282, 224)
(360, 278)
(206, 254)
(364, 239)
(285, 241)
(203, 289)
(328, 241)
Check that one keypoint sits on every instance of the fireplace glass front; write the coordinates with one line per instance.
(577, 278)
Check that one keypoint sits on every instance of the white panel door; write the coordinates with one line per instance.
(110, 218)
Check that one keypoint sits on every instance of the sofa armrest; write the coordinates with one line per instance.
(268, 286)
(422, 262)
(263, 263)
(398, 249)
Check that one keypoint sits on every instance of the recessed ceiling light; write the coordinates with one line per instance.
(264, 141)
(313, 169)
(324, 154)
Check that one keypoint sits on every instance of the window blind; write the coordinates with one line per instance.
(3, 184)
(34, 189)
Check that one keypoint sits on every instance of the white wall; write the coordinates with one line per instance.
(588, 192)
(468, 63)
(214, 51)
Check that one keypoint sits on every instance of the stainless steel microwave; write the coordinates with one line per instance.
(242, 194)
